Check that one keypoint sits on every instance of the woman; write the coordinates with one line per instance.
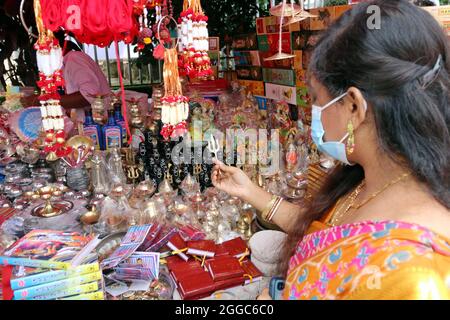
(379, 228)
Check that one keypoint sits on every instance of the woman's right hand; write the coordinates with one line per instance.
(231, 180)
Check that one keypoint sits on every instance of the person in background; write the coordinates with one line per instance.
(380, 226)
(83, 79)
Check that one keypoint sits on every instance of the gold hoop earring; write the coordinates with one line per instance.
(351, 138)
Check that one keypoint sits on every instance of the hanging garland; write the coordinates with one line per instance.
(49, 60)
(175, 106)
(194, 44)
(147, 43)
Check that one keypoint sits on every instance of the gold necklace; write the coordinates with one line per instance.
(354, 195)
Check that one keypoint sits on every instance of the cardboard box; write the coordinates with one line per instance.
(300, 77)
(306, 56)
(298, 60)
(245, 42)
(262, 102)
(325, 16)
(269, 25)
(247, 58)
(270, 42)
(260, 26)
(256, 87)
(279, 76)
(304, 39)
(249, 73)
(281, 93)
(442, 15)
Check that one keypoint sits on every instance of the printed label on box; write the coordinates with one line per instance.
(325, 16)
(256, 87)
(303, 99)
(298, 60)
(300, 76)
(281, 93)
(247, 58)
(245, 42)
(279, 76)
(270, 42)
(249, 73)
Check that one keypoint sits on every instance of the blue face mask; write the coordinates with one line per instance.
(335, 149)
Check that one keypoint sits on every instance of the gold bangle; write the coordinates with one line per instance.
(268, 208)
(275, 209)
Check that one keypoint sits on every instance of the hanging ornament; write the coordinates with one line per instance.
(174, 106)
(49, 60)
(193, 42)
(297, 13)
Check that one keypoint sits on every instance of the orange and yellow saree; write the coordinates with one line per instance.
(370, 260)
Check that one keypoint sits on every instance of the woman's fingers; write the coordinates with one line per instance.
(221, 166)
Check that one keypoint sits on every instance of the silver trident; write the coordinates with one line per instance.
(214, 148)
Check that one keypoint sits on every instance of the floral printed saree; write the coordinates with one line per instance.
(370, 260)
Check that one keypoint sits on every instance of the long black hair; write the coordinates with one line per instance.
(391, 66)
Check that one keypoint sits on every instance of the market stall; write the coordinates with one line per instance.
(121, 205)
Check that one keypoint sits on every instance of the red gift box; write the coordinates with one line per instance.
(251, 272)
(202, 248)
(228, 284)
(196, 286)
(185, 269)
(225, 267)
(236, 248)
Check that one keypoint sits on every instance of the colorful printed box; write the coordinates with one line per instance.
(298, 60)
(304, 39)
(49, 288)
(269, 25)
(303, 99)
(245, 42)
(247, 58)
(281, 93)
(51, 276)
(249, 73)
(270, 42)
(442, 15)
(260, 26)
(256, 87)
(279, 76)
(77, 290)
(262, 102)
(300, 77)
(325, 16)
